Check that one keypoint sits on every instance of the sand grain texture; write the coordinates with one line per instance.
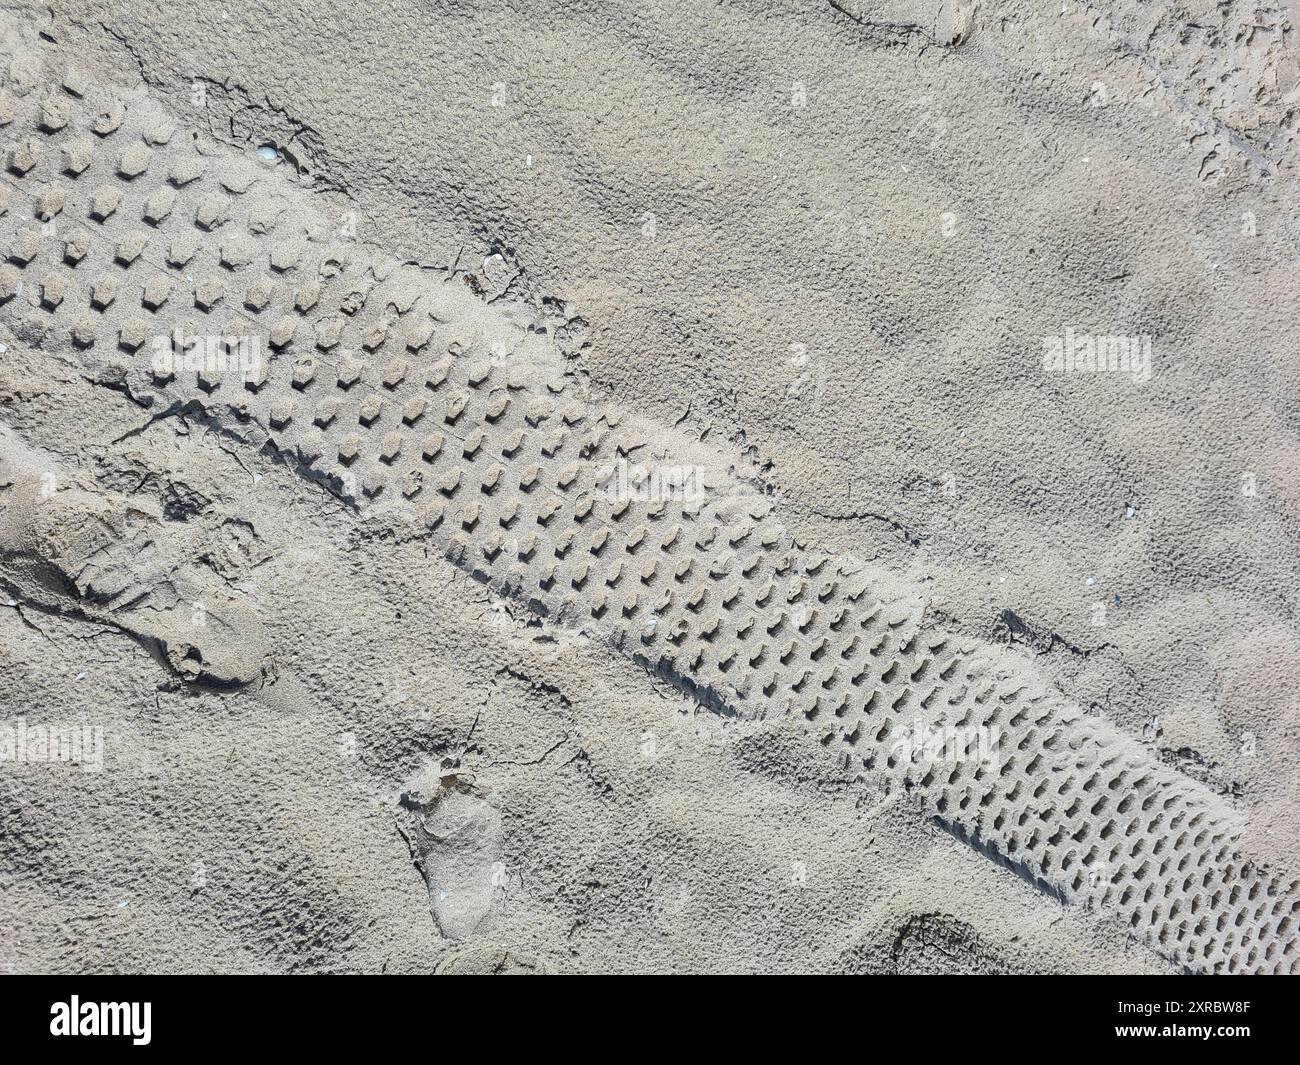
(391, 681)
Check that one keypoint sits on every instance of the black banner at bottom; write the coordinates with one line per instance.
(139, 1014)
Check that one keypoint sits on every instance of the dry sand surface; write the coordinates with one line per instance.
(545, 486)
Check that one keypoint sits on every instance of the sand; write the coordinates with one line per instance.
(960, 346)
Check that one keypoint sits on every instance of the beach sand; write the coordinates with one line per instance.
(990, 309)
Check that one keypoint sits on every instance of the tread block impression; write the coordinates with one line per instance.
(199, 276)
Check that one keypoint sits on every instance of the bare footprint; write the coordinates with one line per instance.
(455, 838)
